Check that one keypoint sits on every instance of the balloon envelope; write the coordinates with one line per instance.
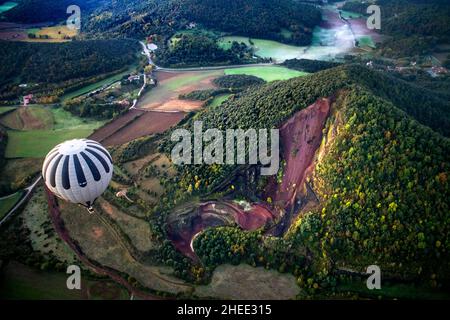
(78, 171)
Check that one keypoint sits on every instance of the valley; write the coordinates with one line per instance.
(363, 174)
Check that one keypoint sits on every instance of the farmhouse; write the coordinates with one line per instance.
(152, 47)
(27, 99)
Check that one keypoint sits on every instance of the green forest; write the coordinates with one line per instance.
(197, 50)
(416, 25)
(256, 18)
(59, 65)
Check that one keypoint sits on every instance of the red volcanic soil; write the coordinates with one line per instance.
(182, 239)
(210, 215)
(110, 128)
(300, 136)
(148, 123)
(253, 219)
(135, 124)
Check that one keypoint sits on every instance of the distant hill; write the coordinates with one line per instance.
(284, 20)
(416, 25)
(35, 11)
(54, 63)
(256, 18)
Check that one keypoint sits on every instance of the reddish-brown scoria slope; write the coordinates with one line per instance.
(213, 214)
(300, 137)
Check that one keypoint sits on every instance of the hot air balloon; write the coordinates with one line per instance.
(78, 171)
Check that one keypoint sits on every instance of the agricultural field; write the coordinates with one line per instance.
(22, 282)
(146, 123)
(40, 128)
(246, 282)
(265, 48)
(350, 15)
(17, 172)
(6, 109)
(8, 202)
(165, 97)
(366, 41)
(51, 34)
(101, 242)
(42, 235)
(28, 118)
(268, 73)
(91, 87)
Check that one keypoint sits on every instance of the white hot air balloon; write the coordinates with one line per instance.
(78, 171)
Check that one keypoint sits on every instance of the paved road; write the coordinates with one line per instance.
(22, 200)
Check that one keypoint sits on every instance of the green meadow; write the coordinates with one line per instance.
(217, 101)
(366, 41)
(265, 48)
(7, 6)
(37, 143)
(8, 202)
(268, 73)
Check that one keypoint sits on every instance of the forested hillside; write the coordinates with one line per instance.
(48, 63)
(34, 11)
(416, 25)
(286, 20)
(192, 50)
(256, 18)
(382, 183)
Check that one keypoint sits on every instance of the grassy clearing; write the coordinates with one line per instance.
(25, 283)
(219, 99)
(43, 115)
(246, 282)
(6, 109)
(65, 120)
(42, 235)
(16, 173)
(266, 48)
(186, 79)
(54, 34)
(138, 230)
(268, 73)
(36, 143)
(366, 41)
(8, 203)
(101, 243)
(350, 15)
(7, 6)
(11, 120)
(96, 85)
(171, 88)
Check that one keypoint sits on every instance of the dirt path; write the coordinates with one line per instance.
(58, 223)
